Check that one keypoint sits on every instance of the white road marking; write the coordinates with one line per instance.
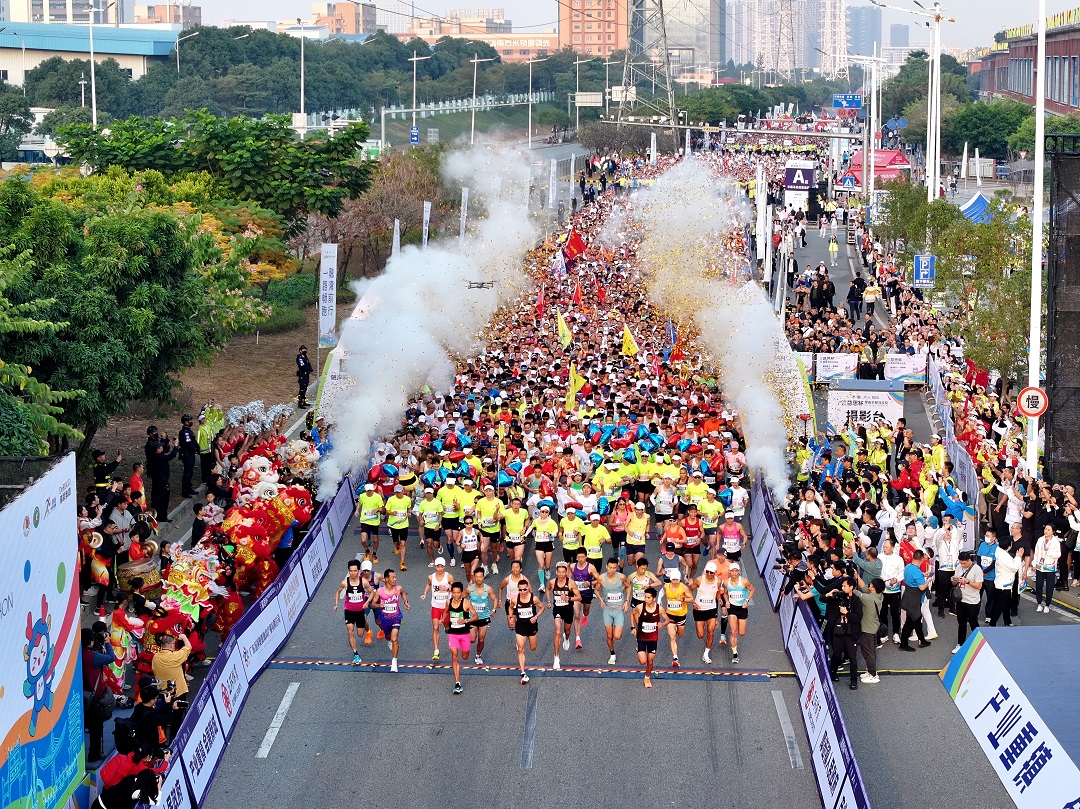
(789, 730)
(277, 721)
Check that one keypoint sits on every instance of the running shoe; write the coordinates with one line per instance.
(479, 661)
(524, 678)
(707, 657)
(611, 660)
(866, 677)
(356, 659)
(723, 641)
(584, 621)
(674, 662)
(381, 635)
(453, 563)
(367, 638)
(457, 688)
(556, 665)
(393, 665)
(896, 637)
(402, 566)
(734, 657)
(495, 568)
(648, 683)
(374, 559)
(577, 642)
(566, 642)
(955, 649)
(435, 655)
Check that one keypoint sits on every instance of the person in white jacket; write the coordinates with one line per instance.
(1045, 560)
(947, 541)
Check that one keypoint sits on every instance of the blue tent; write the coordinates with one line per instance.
(976, 208)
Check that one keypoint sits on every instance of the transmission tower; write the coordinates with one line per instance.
(834, 43)
(785, 45)
(647, 63)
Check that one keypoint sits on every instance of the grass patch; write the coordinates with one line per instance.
(283, 318)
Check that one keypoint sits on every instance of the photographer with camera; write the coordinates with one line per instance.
(168, 665)
(153, 716)
(142, 788)
(847, 629)
(96, 655)
(122, 765)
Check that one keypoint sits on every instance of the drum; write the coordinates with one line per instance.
(149, 570)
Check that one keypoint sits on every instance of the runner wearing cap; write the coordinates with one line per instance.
(617, 522)
(397, 519)
(562, 598)
(484, 603)
(372, 580)
(586, 577)
(669, 560)
(357, 594)
(369, 508)
(737, 594)
(614, 589)
(648, 617)
(458, 620)
(570, 531)
(677, 598)
(449, 496)
(732, 537)
(388, 599)
(544, 529)
(470, 545)
(524, 613)
(637, 528)
(706, 607)
(438, 584)
(516, 524)
(593, 537)
(489, 513)
(710, 510)
(431, 511)
(468, 498)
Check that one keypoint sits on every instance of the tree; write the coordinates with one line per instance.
(55, 83)
(258, 160)
(62, 116)
(188, 94)
(983, 125)
(1023, 139)
(915, 112)
(16, 120)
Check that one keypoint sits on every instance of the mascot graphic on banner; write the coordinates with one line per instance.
(38, 654)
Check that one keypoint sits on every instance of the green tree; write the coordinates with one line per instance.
(1023, 139)
(188, 94)
(62, 116)
(983, 125)
(16, 120)
(55, 83)
(258, 160)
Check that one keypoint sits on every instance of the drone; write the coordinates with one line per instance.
(481, 284)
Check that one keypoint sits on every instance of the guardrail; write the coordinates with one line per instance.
(836, 770)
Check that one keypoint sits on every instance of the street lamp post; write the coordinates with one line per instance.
(1037, 191)
(530, 63)
(414, 60)
(303, 109)
(476, 60)
(178, 41)
(93, 72)
(577, 90)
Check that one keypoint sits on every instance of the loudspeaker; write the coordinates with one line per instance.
(1062, 449)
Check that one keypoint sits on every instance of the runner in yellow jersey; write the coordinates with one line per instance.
(489, 519)
(570, 531)
(369, 508)
(710, 510)
(516, 524)
(677, 599)
(450, 497)
(397, 519)
(637, 529)
(431, 511)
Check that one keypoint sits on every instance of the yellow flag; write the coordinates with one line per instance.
(577, 382)
(629, 345)
(565, 335)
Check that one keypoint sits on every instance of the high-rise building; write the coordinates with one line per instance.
(67, 11)
(393, 16)
(599, 27)
(740, 31)
(899, 35)
(695, 34)
(864, 30)
(185, 16)
(345, 17)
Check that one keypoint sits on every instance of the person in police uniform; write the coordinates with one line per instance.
(304, 370)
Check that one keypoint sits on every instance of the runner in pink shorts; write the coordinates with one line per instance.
(459, 614)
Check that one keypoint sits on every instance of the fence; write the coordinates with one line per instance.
(256, 638)
(836, 770)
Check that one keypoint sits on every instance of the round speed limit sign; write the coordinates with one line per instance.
(1032, 402)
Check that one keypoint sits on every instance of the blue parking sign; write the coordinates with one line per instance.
(925, 272)
(414, 134)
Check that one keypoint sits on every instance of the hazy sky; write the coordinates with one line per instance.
(976, 20)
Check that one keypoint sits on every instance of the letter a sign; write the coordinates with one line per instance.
(798, 179)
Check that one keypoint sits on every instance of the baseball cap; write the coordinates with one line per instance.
(674, 575)
(369, 487)
(451, 479)
(440, 561)
(736, 566)
(710, 566)
(429, 490)
(669, 546)
(639, 506)
(365, 565)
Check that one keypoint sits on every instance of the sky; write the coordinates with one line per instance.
(976, 20)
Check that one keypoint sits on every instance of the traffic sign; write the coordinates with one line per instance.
(846, 112)
(851, 101)
(847, 182)
(1032, 402)
(414, 134)
(925, 272)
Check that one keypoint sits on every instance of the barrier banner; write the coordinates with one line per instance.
(807, 358)
(773, 576)
(263, 636)
(907, 368)
(763, 544)
(201, 744)
(1035, 769)
(864, 406)
(338, 516)
(229, 687)
(801, 641)
(41, 698)
(758, 497)
(293, 594)
(313, 562)
(174, 789)
(835, 366)
(787, 615)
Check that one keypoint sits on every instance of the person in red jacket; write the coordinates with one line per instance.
(119, 767)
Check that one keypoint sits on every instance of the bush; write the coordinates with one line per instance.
(345, 295)
(283, 318)
(295, 291)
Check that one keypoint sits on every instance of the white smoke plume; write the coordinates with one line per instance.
(687, 218)
(420, 314)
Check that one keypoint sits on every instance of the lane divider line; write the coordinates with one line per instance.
(277, 721)
(788, 729)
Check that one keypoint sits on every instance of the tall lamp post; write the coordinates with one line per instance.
(414, 59)
(476, 60)
(303, 109)
(577, 90)
(933, 108)
(530, 63)
(178, 41)
(93, 72)
(1037, 191)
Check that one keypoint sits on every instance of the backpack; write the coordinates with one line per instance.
(125, 736)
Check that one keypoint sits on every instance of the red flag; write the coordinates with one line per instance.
(575, 245)
(540, 303)
(577, 295)
(600, 296)
(656, 365)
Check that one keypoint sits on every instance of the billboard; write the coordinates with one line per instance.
(41, 707)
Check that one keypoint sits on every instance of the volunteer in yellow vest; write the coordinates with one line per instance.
(431, 511)
(397, 519)
(369, 508)
(677, 599)
(637, 528)
(570, 528)
(515, 525)
(489, 517)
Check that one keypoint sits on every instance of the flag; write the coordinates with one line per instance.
(575, 245)
(629, 345)
(565, 335)
(577, 382)
(558, 267)
(577, 295)
(656, 366)
(669, 342)
(540, 303)
(600, 296)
